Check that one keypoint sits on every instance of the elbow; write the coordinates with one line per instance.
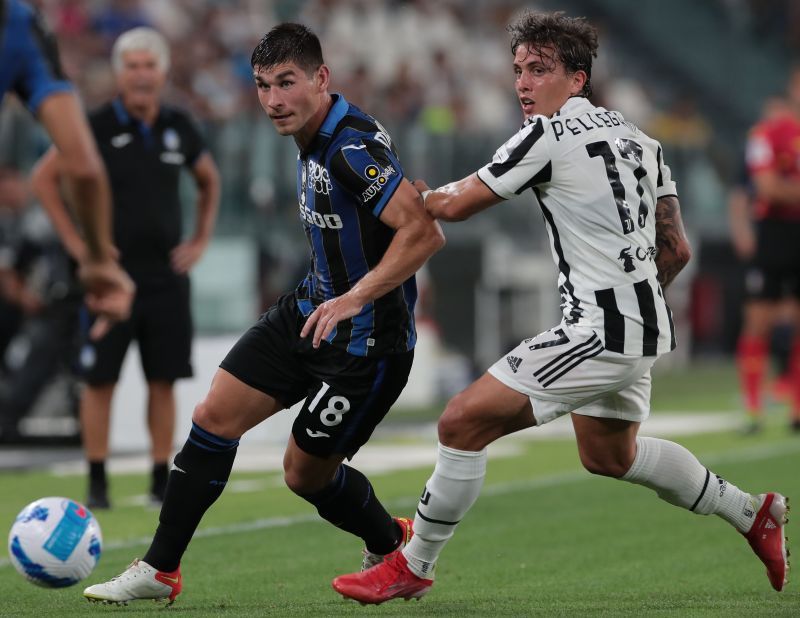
(86, 168)
(684, 254)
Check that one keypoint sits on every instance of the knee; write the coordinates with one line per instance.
(214, 419)
(457, 423)
(301, 483)
(606, 464)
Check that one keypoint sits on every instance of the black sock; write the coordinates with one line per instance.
(197, 478)
(350, 503)
(158, 479)
(97, 472)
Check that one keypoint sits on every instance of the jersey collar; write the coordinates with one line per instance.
(574, 105)
(335, 114)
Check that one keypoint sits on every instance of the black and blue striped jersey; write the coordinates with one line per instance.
(29, 63)
(345, 178)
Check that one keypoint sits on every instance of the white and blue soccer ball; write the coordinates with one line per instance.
(55, 542)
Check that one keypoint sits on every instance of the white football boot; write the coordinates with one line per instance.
(138, 581)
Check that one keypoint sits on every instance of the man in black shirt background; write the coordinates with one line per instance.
(144, 145)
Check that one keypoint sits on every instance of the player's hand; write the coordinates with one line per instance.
(186, 255)
(325, 317)
(109, 293)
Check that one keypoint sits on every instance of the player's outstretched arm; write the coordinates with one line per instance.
(46, 185)
(62, 116)
(458, 200)
(109, 290)
(417, 237)
(674, 251)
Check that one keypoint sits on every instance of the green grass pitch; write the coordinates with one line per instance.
(545, 538)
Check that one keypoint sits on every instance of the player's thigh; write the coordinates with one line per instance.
(350, 397)
(164, 332)
(605, 445)
(266, 356)
(231, 407)
(100, 361)
(566, 368)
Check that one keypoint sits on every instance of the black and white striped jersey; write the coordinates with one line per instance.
(596, 178)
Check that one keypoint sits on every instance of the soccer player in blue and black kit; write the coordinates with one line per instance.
(343, 340)
(29, 66)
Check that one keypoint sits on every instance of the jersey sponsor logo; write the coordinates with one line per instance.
(318, 178)
(627, 260)
(121, 140)
(171, 139)
(173, 158)
(514, 362)
(381, 179)
(642, 255)
(331, 222)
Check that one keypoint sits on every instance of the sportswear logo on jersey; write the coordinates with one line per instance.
(627, 260)
(121, 140)
(318, 178)
(317, 434)
(172, 140)
(382, 137)
(173, 158)
(514, 362)
(373, 190)
(177, 469)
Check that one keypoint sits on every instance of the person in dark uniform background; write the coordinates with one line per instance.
(144, 144)
(30, 67)
(343, 340)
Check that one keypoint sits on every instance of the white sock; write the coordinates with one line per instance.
(678, 478)
(448, 495)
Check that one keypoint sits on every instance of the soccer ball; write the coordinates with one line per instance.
(55, 542)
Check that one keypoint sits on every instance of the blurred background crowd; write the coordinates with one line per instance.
(438, 75)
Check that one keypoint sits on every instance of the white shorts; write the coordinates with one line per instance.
(567, 369)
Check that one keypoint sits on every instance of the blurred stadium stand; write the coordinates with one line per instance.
(437, 74)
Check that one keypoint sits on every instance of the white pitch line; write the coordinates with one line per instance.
(753, 453)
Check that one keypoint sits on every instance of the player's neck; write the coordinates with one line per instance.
(306, 135)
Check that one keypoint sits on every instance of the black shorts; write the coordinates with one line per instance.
(346, 396)
(774, 272)
(161, 324)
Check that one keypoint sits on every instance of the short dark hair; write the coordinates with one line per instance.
(573, 38)
(288, 42)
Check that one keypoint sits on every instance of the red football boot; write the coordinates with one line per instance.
(767, 539)
(391, 579)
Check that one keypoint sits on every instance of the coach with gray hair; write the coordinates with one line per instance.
(144, 144)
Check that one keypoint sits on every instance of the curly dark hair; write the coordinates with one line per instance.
(573, 39)
(288, 42)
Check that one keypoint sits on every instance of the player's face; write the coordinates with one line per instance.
(291, 98)
(542, 84)
(140, 80)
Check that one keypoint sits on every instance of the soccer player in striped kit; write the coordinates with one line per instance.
(612, 215)
(343, 340)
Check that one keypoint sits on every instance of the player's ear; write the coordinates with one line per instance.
(323, 76)
(579, 78)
